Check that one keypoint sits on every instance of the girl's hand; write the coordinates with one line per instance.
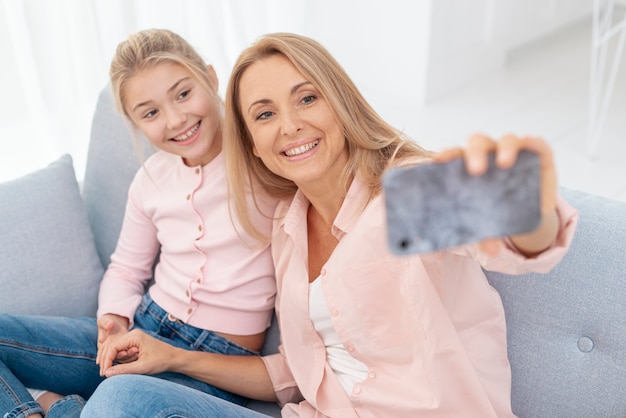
(506, 150)
(151, 355)
(109, 324)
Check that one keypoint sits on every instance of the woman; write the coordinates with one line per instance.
(364, 333)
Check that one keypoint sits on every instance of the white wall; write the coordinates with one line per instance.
(405, 54)
(382, 45)
(471, 39)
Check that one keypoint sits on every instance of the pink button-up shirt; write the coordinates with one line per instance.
(210, 274)
(430, 329)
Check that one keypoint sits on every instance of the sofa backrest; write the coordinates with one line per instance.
(113, 158)
(567, 329)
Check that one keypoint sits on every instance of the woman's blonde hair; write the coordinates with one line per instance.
(148, 48)
(372, 143)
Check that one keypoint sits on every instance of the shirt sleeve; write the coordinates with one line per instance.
(124, 281)
(283, 381)
(511, 261)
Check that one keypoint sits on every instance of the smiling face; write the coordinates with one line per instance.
(293, 128)
(175, 112)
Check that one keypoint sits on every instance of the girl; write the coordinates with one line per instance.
(214, 284)
(364, 333)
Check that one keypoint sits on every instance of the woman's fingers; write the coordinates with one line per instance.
(477, 152)
(506, 148)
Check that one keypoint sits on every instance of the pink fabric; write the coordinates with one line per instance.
(430, 329)
(206, 276)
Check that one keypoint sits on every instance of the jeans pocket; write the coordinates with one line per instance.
(143, 307)
(145, 316)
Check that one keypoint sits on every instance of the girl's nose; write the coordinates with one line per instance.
(175, 119)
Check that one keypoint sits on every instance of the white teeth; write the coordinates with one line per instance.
(187, 135)
(301, 150)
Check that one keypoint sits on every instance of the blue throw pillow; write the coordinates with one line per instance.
(48, 260)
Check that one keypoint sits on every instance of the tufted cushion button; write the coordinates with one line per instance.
(585, 344)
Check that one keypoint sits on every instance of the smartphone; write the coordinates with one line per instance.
(433, 206)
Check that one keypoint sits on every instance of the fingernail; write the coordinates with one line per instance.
(474, 166)
(504, 158)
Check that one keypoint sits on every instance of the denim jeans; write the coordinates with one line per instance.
(128, 396)
(58, 354)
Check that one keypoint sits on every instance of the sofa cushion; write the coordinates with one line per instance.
(566, 329)
(49, 262)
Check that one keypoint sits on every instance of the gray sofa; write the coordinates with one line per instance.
(566, 329)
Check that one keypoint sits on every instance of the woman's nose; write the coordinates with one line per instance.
(291, 123)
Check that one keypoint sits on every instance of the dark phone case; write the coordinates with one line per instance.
(439, 205)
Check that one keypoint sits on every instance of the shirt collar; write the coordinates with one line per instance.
(351, 208)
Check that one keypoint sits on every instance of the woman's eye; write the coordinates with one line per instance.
(150, 114)
(264, 115)
(309, 99)
(184, 94)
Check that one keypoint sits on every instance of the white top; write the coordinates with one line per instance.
(347, 369)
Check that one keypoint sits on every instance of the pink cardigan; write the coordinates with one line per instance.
(206, 276)
(430, 329)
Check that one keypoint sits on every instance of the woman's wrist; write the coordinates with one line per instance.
(541, 238)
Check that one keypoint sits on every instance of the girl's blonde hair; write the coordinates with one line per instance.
(147, 48)
(372, 143)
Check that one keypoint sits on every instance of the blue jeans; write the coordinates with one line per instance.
(58, 354)
(127, 396)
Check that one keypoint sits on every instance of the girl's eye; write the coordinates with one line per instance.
(150, 114)
(264, 115)
(184, 94)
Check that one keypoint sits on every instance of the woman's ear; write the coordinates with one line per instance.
(212, 77)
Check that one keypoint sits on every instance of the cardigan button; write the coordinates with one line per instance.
(585, 344)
